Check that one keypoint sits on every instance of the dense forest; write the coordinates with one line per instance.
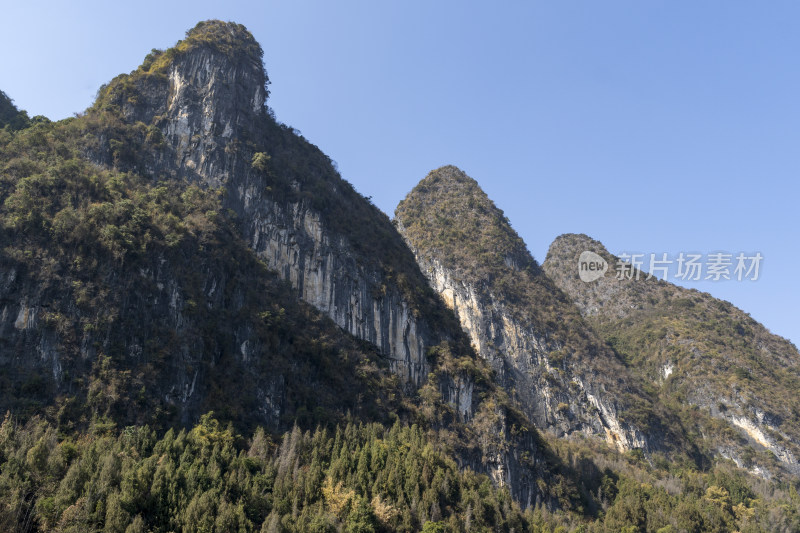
(354, 477)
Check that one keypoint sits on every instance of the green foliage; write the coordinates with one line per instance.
(261, 162)
(11, 118)
(230, 38)
(634, 495)
(359, 478)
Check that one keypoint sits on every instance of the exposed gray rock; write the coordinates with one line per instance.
(209, 108)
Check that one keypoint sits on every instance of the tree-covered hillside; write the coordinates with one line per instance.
(356, 477)
(353, 477)
(113, 275)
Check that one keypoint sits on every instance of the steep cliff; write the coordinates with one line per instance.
(556, 369)
(205, 102)
(733, 382)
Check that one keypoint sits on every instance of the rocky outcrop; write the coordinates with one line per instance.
(210, 110)
(555, 397)
(699, 351)
(326, 273)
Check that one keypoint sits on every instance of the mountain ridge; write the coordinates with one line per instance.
(565, 377)
(176, 250)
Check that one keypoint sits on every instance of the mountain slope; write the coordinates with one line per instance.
(556, 368)
(731, 379)
(176, 250)
(127, 301)
(143, 241)
(204, 102)
(136, 301)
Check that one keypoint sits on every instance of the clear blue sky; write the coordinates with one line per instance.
(655, 126)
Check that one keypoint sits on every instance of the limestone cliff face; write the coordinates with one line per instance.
(564, 379)
(196, 317)
(207, 108)
(555, 398)
(323, 268)
(734, 371)
(215, 260)
(210, 108)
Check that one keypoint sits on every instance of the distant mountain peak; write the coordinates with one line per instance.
(448, 206)
(449, 174)
(572, 239)
(700, 351)
(565, 253)
(228, 39)
(454, 182)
